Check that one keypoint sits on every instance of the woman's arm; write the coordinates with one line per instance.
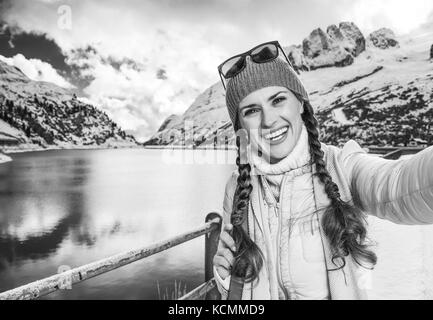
(223, 284)
(397, 190)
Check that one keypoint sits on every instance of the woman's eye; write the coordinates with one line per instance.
(250, 111)
(279, 99)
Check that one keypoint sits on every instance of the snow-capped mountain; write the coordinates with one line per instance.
(39, 115)
(377, 90)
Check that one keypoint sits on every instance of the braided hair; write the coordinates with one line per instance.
(343, 223)
(248, 258)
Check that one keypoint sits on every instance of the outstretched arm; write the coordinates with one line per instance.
(397, 190)
(223, 284)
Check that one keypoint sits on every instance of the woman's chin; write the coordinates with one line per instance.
(277, 156)
(278, 153)
(274, 153)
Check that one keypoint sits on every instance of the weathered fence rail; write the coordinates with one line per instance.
(394, 152)
(66, 279)
(205, 291)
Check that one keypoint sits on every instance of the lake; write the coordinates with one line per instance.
(61, 209)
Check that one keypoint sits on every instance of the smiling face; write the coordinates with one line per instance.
(272, 118)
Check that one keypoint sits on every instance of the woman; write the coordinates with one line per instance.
(294, 212)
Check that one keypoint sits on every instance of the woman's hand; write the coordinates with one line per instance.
(224, 258)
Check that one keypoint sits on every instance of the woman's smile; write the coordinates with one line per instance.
(277, 136)
(272, 116)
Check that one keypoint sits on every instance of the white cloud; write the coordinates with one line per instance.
(37, 70)
(401, 16)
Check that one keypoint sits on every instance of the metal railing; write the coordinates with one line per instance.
(394, 152)
(211, 229)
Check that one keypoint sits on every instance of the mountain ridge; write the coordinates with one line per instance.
(37, 115)
(384, 88)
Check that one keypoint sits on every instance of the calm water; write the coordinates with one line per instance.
(68, 208)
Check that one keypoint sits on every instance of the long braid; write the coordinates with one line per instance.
(248, 258)
(343, 223)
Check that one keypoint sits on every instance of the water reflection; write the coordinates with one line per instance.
(41, 204)
(13, 248)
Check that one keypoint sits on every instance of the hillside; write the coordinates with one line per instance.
(377, 90)
(37, 115)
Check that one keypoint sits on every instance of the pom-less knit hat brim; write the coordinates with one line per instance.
(260, 75)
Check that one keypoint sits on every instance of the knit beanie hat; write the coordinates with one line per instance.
(259, 75)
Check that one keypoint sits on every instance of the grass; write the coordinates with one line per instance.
(178, 291)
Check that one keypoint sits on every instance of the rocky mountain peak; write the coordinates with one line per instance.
(317, 42)
(335, 47)
(11, 73)
(353, 39)
(334, 32)
(383, 38)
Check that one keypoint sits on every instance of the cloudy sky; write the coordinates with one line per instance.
(142, 60)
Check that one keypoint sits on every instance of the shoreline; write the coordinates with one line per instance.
(34, 148)
(7, 151)
(174, 147)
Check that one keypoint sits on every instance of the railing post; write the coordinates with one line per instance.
(211, 246)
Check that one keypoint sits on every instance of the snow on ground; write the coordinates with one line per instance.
(8, 130)
(4, 158)
(339, 116)
(87, 101)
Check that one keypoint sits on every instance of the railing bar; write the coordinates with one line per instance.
(48, 285)
(393, 154)
(199, 291)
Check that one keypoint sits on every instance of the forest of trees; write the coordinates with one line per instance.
(68, 121)
(389, 126)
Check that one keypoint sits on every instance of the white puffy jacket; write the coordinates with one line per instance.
(397, 190)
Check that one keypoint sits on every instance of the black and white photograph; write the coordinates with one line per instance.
(174, 150)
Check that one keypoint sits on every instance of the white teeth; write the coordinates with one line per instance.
(276, 134)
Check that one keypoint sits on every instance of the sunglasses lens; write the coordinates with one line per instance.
(233, 66)
(264, 53)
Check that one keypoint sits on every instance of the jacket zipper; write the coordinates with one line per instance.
(279, 213)
(279, 207)
(280, 281)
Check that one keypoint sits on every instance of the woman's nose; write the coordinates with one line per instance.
(269, 117)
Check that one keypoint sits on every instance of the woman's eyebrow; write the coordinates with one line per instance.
(276, 94)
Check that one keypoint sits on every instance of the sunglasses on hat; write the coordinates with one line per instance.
(262, 53)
